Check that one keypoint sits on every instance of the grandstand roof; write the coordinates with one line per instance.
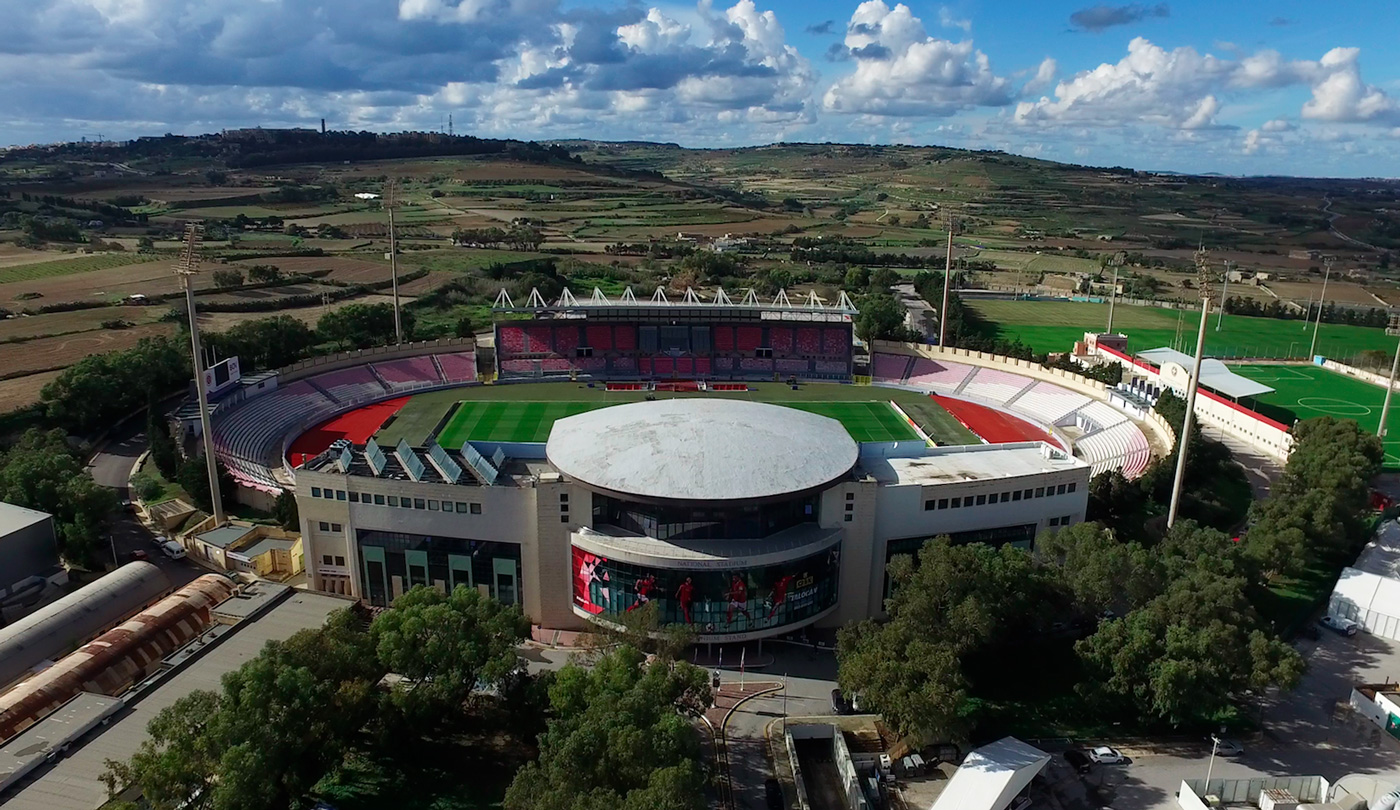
(695, 449)
(973, 462)
(1215, 375)
(749, 300)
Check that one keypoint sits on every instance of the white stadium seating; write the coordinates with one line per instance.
(1119, 447)
(1049, 403)
(1099, 416)
(994, 385)
(940, 375)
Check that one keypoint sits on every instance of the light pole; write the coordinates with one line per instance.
(1214, 746)
(187, 267)
(1394, 329)
(1220, 317)
(1312, 350)
(1116, 261)
(1183, 441)
(390, 200)
(947, 276)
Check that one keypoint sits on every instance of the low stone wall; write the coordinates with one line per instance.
(1361, 374)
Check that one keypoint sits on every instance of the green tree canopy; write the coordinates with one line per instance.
(621, 738)
(267, 343)
(882, 318)
(41, 472)
(360, 326)
(99, 389)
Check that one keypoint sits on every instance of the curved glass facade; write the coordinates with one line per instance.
(743, 522)
(715, 602)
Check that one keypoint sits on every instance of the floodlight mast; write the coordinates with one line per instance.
(947, 275)
(1183, 441)
(390, 200)
(1393, 330)
(1312, 349)
(185, 268)
(1117, 262)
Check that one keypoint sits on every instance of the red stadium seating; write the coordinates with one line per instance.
(723, 386)
(600, 337)
(702, 366)
(780, 338)
(539, 339)
(625, 338)
(662, 365)
(834, 342)
(748, 337)
(566, 340)
(555, 364)
(624, 365)
(755, 364)
(723, 338)
(724, 363)
(644, 366)
(512, 340)
(791, 366)
(809, 341)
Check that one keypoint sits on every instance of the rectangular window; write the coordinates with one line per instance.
(1060, 490)
(476, 509)
(564, 497)
(850, 496)
(315, 492)
(340, 561)
(405, 503)
(432, 506)
(326, 559)
(1072, 485)
(1040, 492)
(928, 506)
(393, 500)
(957, 503)
(1026, 494)
(324, 526)
(461, 508)
(340, 494)
(850, 507)
(563, 518)
(1005, 497)
(981, 500)
(419, 504)
(1064, 521)
(849, 518)
(942, 503)
(335, 527)
(1016, 496)
(1054, 521)
(378, 500)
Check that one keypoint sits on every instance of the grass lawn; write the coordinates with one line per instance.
(862, 409)
(1055, 325)
(1304, 392)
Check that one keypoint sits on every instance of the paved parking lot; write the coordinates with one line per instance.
(1304, 733)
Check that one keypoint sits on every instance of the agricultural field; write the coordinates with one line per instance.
(111, 284)
(25, 327)
(49, 353)
(21, 392)
(1033, 263)
(67, 266)
(1054, 326)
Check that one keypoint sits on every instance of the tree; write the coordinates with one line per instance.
(1098, 571)
(285, 511)
(882, 318)
(266, 343)
(360, 326)
(621, 738)
(445, 645)
(1187, 654)
(857, 279)
(165, 454)
(177, 766)
(882, 280)
(955, 601)
(227, 277)
(41, 472)
(644, 630)
(193, 477)
(1117, 502)
(264, 273)
(101, 388)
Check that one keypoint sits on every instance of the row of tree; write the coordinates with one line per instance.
(1331, 313)
(283, 729)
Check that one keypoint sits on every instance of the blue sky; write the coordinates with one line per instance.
(1237, 87)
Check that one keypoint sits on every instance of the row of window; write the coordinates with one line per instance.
(429, 504)
(330, 527)
(1060, 521)
(327, 559)
(1004, 497)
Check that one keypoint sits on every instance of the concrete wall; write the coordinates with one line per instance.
(27, 552)
(1383, 380)
(846, 768)
(1370, 709)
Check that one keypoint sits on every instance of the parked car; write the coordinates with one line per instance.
(838, 703)
(1346, 627)
(773, 793)
(173, 550)
(1104, 755)
(138, 556)
(1078, 761)
(1228, 748)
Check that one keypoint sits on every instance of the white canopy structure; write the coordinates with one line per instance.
(1369, 591)
(1215, 375)
(991, 776)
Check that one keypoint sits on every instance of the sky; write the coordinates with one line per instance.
(1243, 87)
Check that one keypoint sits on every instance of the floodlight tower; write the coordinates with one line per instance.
(947, 276)
(1312, 350)
(1224, 290)
(185, 269)
(1392, 330)
(390, 200)
(1183, 440)
(1116, 262)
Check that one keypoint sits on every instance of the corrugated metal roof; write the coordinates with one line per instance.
(225, 536)
(1215, 375)
(61, 626)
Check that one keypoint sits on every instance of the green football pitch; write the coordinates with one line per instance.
(1304, 392)
(1054, 326)
(532, 421)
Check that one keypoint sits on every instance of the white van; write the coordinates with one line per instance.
(172, 549)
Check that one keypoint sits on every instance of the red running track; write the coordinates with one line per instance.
(357, 426)
(992, 425)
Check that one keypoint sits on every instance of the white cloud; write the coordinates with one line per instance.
(1277, 125)
(947, 20)
(1252, 140)
(1044, 75)
(1342, 96)
(902, 71)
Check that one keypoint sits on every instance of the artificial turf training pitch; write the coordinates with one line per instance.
(1304, 392)
(531, 421)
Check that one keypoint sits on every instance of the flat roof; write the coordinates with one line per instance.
(72, 783)
(13, 518)
(1215, 375)
(788, 544)
(28, 748)
(225, 536)
(693, 449)
(948, 465)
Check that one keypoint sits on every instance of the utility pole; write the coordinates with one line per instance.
(1117, 262)
(1214, 746)
(1183, 442)
(1312, 350)
(947, 276)
(390, 200)
(186, 268)
(1393, 330)
(1220, 317)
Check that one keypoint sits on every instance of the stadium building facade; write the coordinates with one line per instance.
(744, 519)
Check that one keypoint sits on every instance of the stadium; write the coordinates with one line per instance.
(749, 467)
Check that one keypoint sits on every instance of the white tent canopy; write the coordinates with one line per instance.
(1215, 375)
(991, 776)
(1369, 591)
